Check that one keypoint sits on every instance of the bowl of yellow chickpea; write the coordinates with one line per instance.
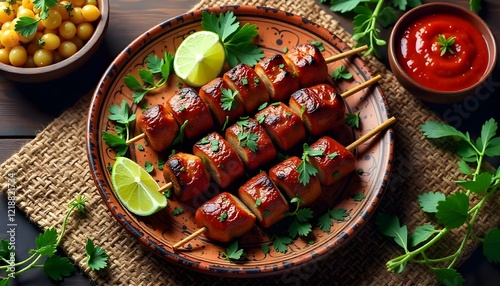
(46, 40)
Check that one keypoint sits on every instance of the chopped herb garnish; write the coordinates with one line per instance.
(149, 166)
(177, 211)
(222, 217)
(228, 99)
(215, 145)
(341, 73)
(233, 252)
(446, 44)
(258, 202)
(305, 169)
(180, 136)
(353, 120)
(332, 155)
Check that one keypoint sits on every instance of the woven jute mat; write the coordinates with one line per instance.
(52, 170)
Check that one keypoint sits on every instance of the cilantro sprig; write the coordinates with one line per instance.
(454, 210)
(154, 76)
(56, 267)
(237, 40)
(228, 99)
(27, 26)
(123, 118)
(305, 168)
(301, 225)
(369, 14)
(245, 137)
(233, 252)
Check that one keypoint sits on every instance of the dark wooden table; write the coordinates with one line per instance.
(26, 109)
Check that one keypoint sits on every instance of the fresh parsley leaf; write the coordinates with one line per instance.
(344, 6)
(97, 258)
(358, 197)
(117, 143)
(26, 26)
(453, 211)
(353, 120)
(280, 243)
(177, 211)
(491, 245)
(5, 249)
(338, 214)
(422, 234)
(180, 136)
(233, 252)
(149, 167)
(57, 267)
(429, 201)
(325, 222)
(228, 99)
(475, 5)
(46, 242)
(318, 44)
(390, 226)
(480, 185)
(341, 73)
(298, 228)
(464, 168)
(147, 80)
(121, 113)
(448, 277)
(436, 130)
(222, 217)
(237, 40)
(305, 169)
(265, 248)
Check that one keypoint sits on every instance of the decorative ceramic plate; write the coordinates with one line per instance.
(356, 195)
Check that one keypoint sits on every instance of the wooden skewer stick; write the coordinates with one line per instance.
(370, 134)
(346, 54)
(361, 86)
(136, 138)
(189, 238)
(165, 187)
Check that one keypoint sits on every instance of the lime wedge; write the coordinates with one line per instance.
(199, 58)
(135, 188)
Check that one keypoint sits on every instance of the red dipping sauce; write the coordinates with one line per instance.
(419, 53)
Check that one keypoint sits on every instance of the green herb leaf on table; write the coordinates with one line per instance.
(448, 276)
(389, 225)
(421, 234)
(57, 267)
(453, 210)
(429, 201)
(491, 245)
(97, 258)
(46, 242)
(237, 40)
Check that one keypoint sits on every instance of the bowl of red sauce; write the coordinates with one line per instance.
(441, 52)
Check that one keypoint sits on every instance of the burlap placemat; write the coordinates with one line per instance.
(52, 169)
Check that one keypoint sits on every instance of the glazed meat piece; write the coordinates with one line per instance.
(186, 104)
(225, 217)
(264, 199)
(286, 177)
(252, 92)
(335, 163)
(282, 124)
(219, 159)
(159, 125)
(278, 76)
(322, 109)
(187, 175)
(213, 95)
(308, 64)
(251, 142)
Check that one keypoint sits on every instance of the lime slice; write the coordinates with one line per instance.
(199, 58)
(135, 188)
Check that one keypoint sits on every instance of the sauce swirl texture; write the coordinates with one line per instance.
(419, 53)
